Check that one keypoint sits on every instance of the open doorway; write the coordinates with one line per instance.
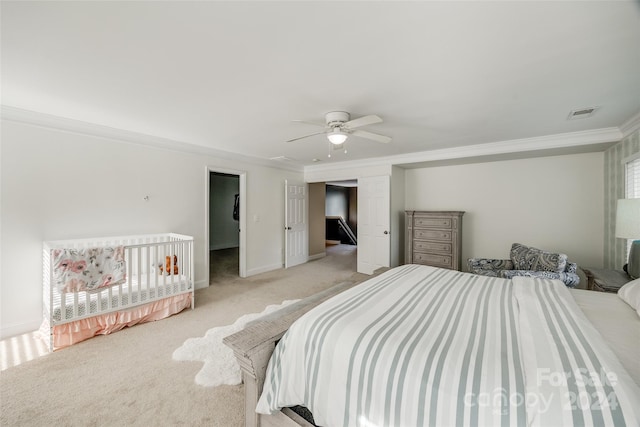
(341, 212)
(333, 221)
(379, 225)
(225, 218)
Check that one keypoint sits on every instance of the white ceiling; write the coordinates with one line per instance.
(233, 75)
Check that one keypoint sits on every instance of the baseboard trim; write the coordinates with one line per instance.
(264, 269)
(222, 246)
(19, 329)
(200, 284)
(317, 256)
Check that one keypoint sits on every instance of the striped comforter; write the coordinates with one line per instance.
(422, 346)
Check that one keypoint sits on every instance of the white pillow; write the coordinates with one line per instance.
(630, 293)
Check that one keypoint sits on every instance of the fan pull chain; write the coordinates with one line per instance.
(329, 146)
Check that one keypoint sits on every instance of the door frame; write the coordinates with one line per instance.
(242, 250)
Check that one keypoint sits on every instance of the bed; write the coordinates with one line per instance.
(420, 345)
(146, 278)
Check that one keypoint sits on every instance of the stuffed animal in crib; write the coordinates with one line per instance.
(167, 266)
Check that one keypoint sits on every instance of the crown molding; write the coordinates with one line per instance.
(631, 125)
(535, 144)
(49, 121)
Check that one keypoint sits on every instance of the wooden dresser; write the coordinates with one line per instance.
(434, 238)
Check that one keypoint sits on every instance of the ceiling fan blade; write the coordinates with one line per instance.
(310, 123)
(362, 121)
(306, 136)
(374, 136)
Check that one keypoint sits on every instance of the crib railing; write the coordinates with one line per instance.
(152, 262)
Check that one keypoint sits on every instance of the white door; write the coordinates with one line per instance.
(373, 223)
(296, 246)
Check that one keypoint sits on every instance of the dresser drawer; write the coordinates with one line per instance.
(432, 259)
(433, 222)
(433, 238)
(441, 235)
(432, 247)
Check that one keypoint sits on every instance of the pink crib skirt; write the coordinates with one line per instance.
(73, 332)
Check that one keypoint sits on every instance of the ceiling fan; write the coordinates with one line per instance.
(339, 127)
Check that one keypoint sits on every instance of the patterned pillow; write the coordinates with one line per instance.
(528, 258)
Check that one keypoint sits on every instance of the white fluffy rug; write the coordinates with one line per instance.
(220, 366)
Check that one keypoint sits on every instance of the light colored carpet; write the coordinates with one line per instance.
(219, 363)
(129, 378)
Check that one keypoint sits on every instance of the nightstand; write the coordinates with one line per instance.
(605, 280)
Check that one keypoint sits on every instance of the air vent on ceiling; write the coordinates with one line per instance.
(582, 113)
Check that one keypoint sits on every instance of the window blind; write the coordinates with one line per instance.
(633, 179)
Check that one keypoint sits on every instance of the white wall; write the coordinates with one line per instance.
(64, 185)
(553, 203)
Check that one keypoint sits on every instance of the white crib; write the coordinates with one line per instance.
(148, 293)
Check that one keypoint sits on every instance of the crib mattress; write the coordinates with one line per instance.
(138, 290)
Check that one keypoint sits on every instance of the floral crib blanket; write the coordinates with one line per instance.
(88, 269)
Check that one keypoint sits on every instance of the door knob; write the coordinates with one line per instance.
(287, 228)
(386, 232)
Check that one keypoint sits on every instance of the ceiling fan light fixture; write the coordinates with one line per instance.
(336, 137)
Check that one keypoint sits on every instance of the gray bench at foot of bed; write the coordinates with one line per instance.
(253, 346)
